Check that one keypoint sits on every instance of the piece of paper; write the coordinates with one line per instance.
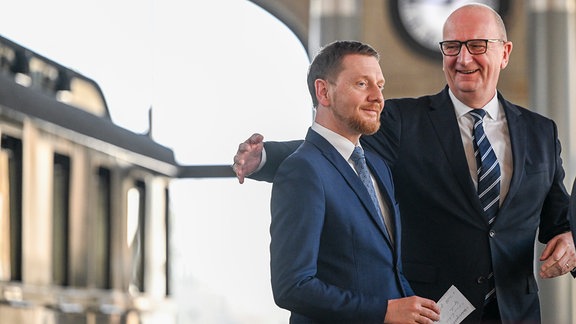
(454, 307)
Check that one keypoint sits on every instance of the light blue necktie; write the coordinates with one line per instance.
(362, 169)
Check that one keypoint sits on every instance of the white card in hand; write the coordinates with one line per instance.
(454, 307)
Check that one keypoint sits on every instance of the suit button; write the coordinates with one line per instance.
(492, 233)
(481, 280)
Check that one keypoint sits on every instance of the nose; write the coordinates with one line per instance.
(464, 56)
(376, 95)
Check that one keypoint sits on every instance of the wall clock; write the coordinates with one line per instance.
(419, 22)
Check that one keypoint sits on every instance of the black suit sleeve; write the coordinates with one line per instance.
(385, 142)
(276, 152)
(554, 217)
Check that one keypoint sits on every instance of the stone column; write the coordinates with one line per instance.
(332, 20)
(552, 59)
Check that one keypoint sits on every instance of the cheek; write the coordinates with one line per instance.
(448, 64)
(496, 66)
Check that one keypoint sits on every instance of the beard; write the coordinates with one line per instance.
(359, 125)
(362, 126)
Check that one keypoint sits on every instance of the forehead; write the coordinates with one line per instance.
(360, 64)
(471, 24)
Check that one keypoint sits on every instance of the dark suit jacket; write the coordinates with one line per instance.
(447, 239)
(331, 258)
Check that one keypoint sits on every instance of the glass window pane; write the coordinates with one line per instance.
(60, 219)
(136, 233)
(102, 230)
(13, 148)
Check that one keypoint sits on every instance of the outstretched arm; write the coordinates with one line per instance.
(249, 157)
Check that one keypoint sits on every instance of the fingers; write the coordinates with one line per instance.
(238, 165)
(427, 316)
(244, 150)
(430, 310)
(412, 310)
(547, 251)
(559, 256)
(255, 139)
(558, 268)
(238, 170)
(239, 161)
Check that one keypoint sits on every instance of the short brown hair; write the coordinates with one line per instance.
(327, 63)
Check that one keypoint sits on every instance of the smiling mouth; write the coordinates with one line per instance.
(467, 71)
(372, 109)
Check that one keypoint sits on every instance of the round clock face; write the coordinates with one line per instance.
(419, 22)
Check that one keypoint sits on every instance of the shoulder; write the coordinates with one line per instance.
(305, 157)
(407, 102)
(529, 122)
(377, 161)
(528, 114)
(375, 158)
(407, 106)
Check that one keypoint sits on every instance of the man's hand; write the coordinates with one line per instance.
(248, 157)
(559, 256)
(412, 310)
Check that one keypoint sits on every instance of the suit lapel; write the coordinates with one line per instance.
(447, 130)
(350, 176)
(385, 185)
(517, 133)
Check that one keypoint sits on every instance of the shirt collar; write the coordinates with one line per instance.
(340, 143)
(492, 108)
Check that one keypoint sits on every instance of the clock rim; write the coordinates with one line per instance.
(415, 45)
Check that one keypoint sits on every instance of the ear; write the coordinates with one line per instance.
(322, 93)
(506, 54)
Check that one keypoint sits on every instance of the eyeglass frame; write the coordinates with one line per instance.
(486, 41)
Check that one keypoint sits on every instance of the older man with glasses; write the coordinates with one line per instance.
(477, 177)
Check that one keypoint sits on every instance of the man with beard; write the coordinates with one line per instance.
(335, 239)
(431, 146)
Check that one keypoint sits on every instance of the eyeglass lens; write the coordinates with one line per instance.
(474, 46)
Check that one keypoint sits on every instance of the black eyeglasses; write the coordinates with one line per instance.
(474, 46)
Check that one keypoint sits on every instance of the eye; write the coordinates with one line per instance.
(451, 46)
(362, 84)
(476, 47)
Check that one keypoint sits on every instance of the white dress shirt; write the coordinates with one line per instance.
(496, 129)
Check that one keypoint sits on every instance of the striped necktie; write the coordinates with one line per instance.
(488, 181)
(487, 167)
